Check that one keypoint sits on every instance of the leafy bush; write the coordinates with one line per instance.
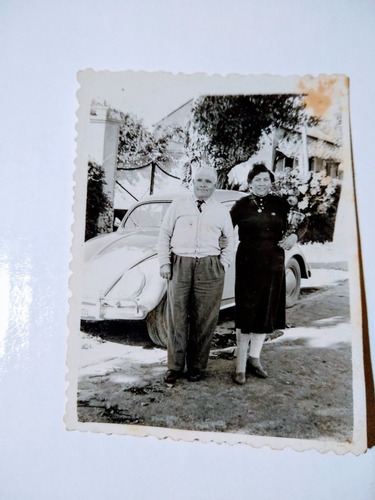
(316, 198)
(98, 205)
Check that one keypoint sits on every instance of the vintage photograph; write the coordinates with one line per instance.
(215, 286)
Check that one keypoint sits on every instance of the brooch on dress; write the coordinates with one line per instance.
(260, 205)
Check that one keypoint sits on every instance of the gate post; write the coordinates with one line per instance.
(104, 138)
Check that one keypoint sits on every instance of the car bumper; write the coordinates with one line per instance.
(103, 310)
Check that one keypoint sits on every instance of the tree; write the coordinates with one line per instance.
(98, 204)
(227, 130)
(140, 148)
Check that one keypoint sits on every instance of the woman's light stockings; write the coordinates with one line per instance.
(256, 344)
(242, 346)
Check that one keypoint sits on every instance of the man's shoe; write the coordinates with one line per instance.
(171, 376)
(194, 375)
(239, 378)
(254, 366)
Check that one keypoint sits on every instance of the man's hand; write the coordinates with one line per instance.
(288, 242)
(166, 271)
(223, 242)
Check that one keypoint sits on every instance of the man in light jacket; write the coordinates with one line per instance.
(194, 264)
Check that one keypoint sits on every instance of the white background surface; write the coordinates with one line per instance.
(42, 46)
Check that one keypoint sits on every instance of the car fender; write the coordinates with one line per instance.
(156, 286)
(297, 253)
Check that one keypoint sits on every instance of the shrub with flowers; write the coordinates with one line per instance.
(316, 194)
(315, 198)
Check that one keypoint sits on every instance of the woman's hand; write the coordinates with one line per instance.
(288, 242)
(166, 271)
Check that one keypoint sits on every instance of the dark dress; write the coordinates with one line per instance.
(260, 271)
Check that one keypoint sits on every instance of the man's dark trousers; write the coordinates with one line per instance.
(194, 297)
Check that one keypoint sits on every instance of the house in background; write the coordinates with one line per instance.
(322, 152)
(308, 149)
(179, 116)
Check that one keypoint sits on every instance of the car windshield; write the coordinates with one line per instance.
(146, 216)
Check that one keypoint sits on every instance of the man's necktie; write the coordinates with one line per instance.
(199, 204)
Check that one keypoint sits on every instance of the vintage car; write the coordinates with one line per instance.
(121, 278)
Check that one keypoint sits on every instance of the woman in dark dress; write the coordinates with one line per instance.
(260, 274)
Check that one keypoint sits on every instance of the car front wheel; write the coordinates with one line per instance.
(157, 323)
(293, 281)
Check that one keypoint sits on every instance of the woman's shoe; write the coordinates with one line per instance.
(255, 367)
(239, 378)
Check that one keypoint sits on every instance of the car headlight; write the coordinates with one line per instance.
(129, 286)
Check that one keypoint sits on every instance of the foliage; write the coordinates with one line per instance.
(316, 194)
(98, 205)
(315, 198)
(227, 130)
(138, 146)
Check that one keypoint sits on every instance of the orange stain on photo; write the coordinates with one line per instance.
(319, 97)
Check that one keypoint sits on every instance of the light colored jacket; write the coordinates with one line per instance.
(189, 233)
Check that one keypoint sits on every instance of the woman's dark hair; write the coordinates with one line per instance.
(259, 168)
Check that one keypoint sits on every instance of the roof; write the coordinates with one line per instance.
(317, 148)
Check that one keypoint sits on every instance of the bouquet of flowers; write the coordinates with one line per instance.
(314, 195)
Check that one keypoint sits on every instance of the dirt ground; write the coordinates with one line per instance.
(307, 395)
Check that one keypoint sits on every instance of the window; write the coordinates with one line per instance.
(146, 216)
